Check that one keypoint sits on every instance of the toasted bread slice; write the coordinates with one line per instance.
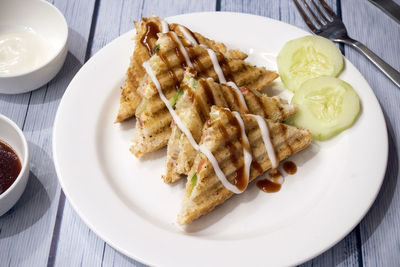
(194, 107)
(145, 42)
(205, 191)
(153, 119)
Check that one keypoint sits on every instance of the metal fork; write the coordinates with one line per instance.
(328, 25)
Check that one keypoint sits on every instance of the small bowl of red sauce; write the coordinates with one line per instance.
(14, 163)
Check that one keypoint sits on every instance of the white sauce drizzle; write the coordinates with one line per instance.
(217, 67)
(220, 174)
(221, 77)
(175, 116)
(280, 180)
(239, 93)
(165, 29)
(182, 49)
(165, 26)
(248, 158)
(187, 35)
(267, 140)
(247, 155)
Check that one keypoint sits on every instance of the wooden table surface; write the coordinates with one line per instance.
(42, 229)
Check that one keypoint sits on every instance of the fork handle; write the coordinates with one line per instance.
(390, 72)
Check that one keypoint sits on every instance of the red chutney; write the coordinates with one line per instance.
(10, 166)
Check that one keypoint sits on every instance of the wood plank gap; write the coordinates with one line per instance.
(45, 93)
(339, 14)
(218, 5)
(102, 255)
(280, 13)
(56, 231)
(26, 112)
(359, 246)
(92, 29)
(141, 9)
(120, 21)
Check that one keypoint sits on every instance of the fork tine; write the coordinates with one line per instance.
(319, 11)
(305, 17)
(316, 19)
(328, 9)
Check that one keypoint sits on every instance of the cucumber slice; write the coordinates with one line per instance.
(308, 57)
(326, 106)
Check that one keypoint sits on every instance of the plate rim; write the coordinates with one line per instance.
(135, 256)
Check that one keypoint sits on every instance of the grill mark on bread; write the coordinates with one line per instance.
(226, 68)
(177, 51)
(171, 73)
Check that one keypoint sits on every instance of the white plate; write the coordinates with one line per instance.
(125, 202)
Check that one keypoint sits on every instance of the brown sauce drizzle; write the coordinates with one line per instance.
(237, 101)
(192, 34)
(226, 69)
(204, 110)
(290, 167)
(170, 71)
(240, 175)
(256, 166)
(181, 57)
(178, 52)
(239, 180)
(208, 92)
(275, 174)
(268, 187)
(10, 166)
(150, 36)
(190, 93)
(200, 67)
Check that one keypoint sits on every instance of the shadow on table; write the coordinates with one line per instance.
(36, 199)
(385, 196)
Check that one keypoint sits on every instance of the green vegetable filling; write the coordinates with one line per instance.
(194, 82)
(193, 181)
(156, 48)
(175, 97)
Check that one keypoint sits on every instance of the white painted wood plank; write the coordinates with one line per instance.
(26, 231)
(15, 107)
(345, 253)
(380, 229)
(77, 244)
(170, 7)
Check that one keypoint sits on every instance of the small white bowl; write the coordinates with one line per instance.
(12, 135)
(47, 21)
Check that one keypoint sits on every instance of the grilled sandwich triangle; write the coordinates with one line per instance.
(204, 190)
(194, 105)
(145, 42)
